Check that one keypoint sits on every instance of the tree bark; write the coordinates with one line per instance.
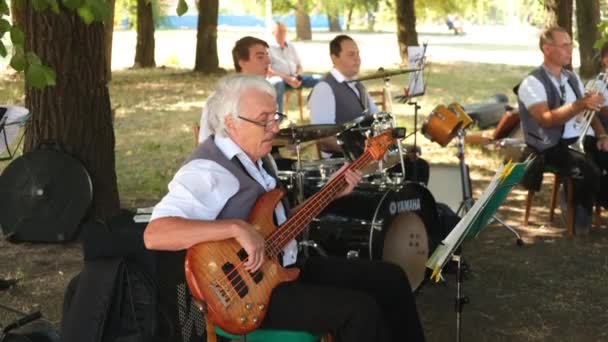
(76, 111)
(206, 37)
(559, 13)
(303, 31)
(406, 27)
(334, 23)
(587, 19)
(349, 18)
(144, 51)
(108, 35)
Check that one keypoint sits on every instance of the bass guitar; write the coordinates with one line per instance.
(236, 299)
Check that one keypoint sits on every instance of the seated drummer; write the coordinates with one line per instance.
(334, 100)
(213, 193)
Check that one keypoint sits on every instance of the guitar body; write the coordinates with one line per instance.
(236, 299)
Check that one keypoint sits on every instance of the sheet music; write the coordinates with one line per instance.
(416, 58)
(478, 216)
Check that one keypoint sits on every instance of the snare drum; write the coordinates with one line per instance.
(317, 172)
(441, 126)
(398, 225)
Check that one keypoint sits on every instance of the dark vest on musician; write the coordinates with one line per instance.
(348, 105)
(536, 136)
(241, 204)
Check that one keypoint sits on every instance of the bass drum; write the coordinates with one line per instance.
(398, 224)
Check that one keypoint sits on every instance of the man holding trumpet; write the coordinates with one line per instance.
(550, 99)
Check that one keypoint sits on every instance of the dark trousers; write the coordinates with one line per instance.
(354, 299)
(601, 160)
(583, 170)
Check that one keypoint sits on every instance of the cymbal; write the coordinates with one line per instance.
(294, 134)
(384, 74)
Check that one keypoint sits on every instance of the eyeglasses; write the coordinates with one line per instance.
(277, 119)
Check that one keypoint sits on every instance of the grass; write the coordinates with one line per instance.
(552, 289)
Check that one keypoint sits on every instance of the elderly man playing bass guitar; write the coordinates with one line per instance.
(206, 211)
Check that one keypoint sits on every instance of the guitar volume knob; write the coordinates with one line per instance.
(242, 319)
(261, 306)
(248, 306)
(254, 319)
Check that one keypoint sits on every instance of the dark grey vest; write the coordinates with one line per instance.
(536, 136)
(238, 206)
(348, 105)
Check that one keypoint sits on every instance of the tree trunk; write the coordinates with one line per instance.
(206, 37)
(334, 23)
(76, 111)
(349, 18)
(559, 13)
(303, 31)
(144, 51)
(587, 19)
(108, 34)
(406, 27)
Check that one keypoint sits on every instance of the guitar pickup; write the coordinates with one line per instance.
(258, 275)
(237, 282)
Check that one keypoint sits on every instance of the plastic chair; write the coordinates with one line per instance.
(265, 335)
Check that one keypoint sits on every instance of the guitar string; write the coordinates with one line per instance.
(285, 233)
(272, 249)
(225, 281)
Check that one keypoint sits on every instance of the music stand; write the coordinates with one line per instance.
(477, 217)
(12, 118)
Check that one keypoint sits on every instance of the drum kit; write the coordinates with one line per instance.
(384, 218)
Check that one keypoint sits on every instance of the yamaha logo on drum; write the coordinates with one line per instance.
(412, 204)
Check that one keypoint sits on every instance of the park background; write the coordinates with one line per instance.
(552, 289)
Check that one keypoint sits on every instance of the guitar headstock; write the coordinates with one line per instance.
(377, 146)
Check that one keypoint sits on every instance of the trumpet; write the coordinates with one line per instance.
(599, 84)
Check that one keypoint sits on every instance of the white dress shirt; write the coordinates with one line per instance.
(322, 103)
(200, 189)
(284, 60)
(531, 92)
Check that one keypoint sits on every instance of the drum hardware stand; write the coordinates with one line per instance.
(306, 241)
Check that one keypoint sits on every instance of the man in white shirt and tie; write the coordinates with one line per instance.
(339, 98)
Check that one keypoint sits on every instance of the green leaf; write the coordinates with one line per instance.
(3, 51)
(4, 7)
(73, 4)
(4, 25)
(18, 62)
(16, 36)
(86, 14)
(32, 58)
(36, 76)
(54, 6)
(40, 5)
(49, 75)
(182, 7)
(100, 9)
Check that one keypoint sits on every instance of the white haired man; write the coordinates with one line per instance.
(211, 196)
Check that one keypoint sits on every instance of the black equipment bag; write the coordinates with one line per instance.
(110, 300)
(115, 297)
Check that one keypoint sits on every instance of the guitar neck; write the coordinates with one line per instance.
(311, 208)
